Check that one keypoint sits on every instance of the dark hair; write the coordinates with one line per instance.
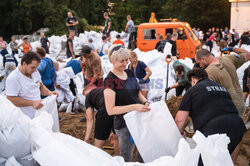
(197, 73)
(118, 36)
(104, 38)
(29, 57)
(160, 37)
(107, 35)
(179, 69)
(106, 14)
(203, 53)
(41, 51)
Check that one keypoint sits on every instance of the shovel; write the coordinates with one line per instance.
(168, 60)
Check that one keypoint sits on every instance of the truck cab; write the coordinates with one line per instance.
(146, 36)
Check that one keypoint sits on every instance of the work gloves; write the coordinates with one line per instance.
(230, 49)
(142, 81)
(167, 89)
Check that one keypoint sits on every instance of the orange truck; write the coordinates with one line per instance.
(146, 36)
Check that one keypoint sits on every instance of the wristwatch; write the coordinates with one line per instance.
(146, 102)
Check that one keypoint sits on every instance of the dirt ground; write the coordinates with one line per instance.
(72, 125)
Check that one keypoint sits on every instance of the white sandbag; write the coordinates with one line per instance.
(50, 106)
(12, 162)
(155, 132)
(53, 149)
(14, 134)
(213, 149)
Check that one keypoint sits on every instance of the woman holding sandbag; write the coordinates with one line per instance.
(122, 94)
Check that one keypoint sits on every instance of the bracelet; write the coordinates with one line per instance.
(146, 102)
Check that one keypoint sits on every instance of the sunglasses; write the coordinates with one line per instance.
(116, 48)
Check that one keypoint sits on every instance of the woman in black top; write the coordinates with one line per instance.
(211, 108)
(122, 95)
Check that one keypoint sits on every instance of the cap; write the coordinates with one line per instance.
(85, 50)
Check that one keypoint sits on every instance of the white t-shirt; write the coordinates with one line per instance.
(17, 84)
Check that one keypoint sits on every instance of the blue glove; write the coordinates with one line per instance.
(230, 49)
(142, 81)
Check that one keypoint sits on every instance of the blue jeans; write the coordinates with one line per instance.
(126, 146)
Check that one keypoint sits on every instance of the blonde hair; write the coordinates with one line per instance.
(120, 54)
(133, 55)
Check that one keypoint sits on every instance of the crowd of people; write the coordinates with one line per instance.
(213, 99)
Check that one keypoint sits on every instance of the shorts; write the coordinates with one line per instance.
(104, 124)
(245, 88)
(231, 125)
(144, 87)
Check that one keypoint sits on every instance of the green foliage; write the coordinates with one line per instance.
(27, 16)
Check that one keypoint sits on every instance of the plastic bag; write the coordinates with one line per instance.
(53, 149)
(213, 149)
(14, 134)
(50, 106)
(155, 132)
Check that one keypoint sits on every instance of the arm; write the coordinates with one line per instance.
(31, 47)
(75, 23)
(19, 47)
(20, 102)
(149, 73)
(126, 28)
(245, 53)
(45, 91)
(174, 86)
(71, 50)
(180, 119)
(109, 25)
(141, 98)
(90, 123)
(109, 96)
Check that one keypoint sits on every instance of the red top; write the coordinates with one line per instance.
(211, 38)
(118, 41)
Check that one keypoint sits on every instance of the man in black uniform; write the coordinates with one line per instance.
(211, 108)
(103, 123)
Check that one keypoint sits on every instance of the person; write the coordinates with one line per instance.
(25, 45)
(212, 111)
(182, 82)
(141, 72)
(223, 71)
(13, 46)
(236, 37)
(105, 46)
(69, 45)
(107, 27)
(245, 39)
(44, 43)
(71, 23)
(210, 41)
(103, 123)
(90, 43)
(122, 94)
(24, 86)
(3, 44)
(174, 37)
(162, 44)
(76, 68)
(244, 83)
(129, 26)
(46, 69)
(158, 43)
(9, 62)
(93, 67)
(118, 40)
